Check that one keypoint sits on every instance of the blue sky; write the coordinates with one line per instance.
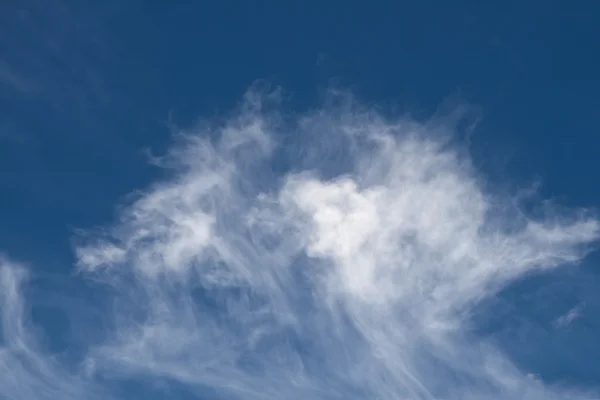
(472, 127)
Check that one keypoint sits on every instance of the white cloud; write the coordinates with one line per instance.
(350, 276)
(566, 320)
(26, 371)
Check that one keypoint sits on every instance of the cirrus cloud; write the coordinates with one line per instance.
(350, 273)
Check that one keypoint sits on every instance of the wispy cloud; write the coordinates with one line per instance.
(573, 314)
(350, 274)
(9, 78)
(26, 371)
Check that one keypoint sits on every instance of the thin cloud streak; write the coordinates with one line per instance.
(27, 372)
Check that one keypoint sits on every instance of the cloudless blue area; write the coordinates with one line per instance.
(87, 86)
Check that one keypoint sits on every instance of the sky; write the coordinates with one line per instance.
(292, 200)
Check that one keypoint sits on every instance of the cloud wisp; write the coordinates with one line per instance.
(332, 255)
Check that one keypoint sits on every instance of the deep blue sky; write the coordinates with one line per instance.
(86, 87)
